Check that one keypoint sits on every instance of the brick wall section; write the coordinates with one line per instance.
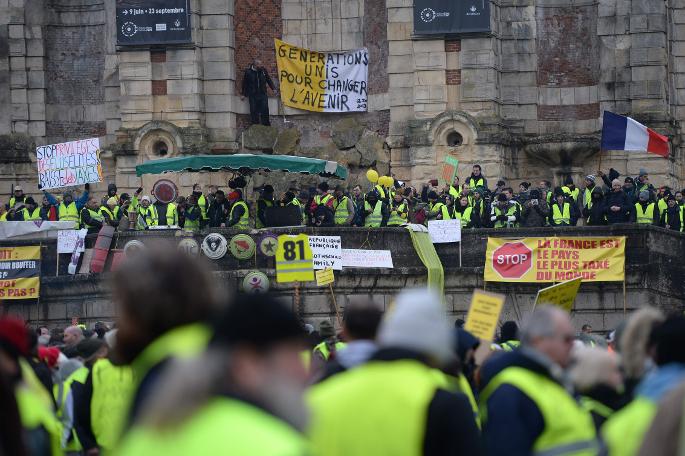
(376, 40)
(158, 56)
(159, 87)
(257, 23)
(453, 77)
(567, 46)
(452, 45)
(570, 112)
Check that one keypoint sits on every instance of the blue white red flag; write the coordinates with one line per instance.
(624, 133)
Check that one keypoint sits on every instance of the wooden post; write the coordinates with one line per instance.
(459, 253)
(624, 294)
(335, 305)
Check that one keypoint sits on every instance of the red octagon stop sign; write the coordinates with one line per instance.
(512, 260)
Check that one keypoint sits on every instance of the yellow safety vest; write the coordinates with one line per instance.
(624, 431)
(681, 212)
(375, 218)
(244, 221)
(321, 200)
(146, 217)
(573, 194)
(13, 201)
(202, 203)
(663, 205)
(588, 197)
(454, 192)
(69, 213)
(93, 215)
(104, 210)
(569, 430)
(381, 191)
(171, 214)
(398, 215)
(221, 426)
(296, 202)
(341, 212)
(61, 392)
(473, 183)
(465, 216)
(458, 384)
(443, 210)
(34, 413)
(510, 345)
(31, 217)
(560, 217)
(645, 217)
(510, 211)
(378, 408)
(112, 386)
(322, 348)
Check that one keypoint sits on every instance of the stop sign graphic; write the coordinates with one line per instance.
(512, 260)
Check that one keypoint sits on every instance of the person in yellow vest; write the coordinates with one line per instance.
(147, 214)
(167, 214)
(291, 199)
(674, 215)
(192, 215)
(163, 299)
(202, 203)
(504, 214)
(624, 432)
(100, 404)
(570, 190)
(247, 391)
(509, 336)
(399, 210)
(343, 207)
(328, 348)
(376, 213)
(525, 406)
(29, 424)
(239, 217)
(477, 180)
(645, 211)
(586, 199)
(453, 189)
(31, 211)
(563, 212)
(18, 196)
(69, 209)
(464, 212)
(108, 212)
(394, 404)
(266, 200)
(440, 209)
(322, 198)
(91, 217)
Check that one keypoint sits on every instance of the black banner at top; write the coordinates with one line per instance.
(141, 22)
(440, 17)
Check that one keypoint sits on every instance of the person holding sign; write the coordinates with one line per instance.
(69, 210)
(255, 82)
(529, 411)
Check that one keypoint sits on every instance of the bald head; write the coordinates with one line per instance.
(72, 336)
(549, 331)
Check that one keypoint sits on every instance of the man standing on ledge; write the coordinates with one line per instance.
(255, 80)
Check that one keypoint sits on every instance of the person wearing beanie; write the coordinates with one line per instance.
(563, 212)
(147, 214)
(247, 390)
(18, 196)
(617, 205)
(595, 209)
(239, 216)
(202, 203)
(570, 189)
(265, 200)
(672, 217)
(440, 208)
(509, 336)
(394, 403)
(587, 191)
(110, 211)
(504, 213)
(624, 431)
(30, 213)
(326, 350)
(642, 183)
(69, 210)
(376, 213)
(646, 211)
(527, 409)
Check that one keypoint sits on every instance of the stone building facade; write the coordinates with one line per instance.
(525, 100)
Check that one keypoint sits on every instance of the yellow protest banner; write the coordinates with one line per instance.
(555, 259)
(322, 81)
(481, 321)
(20, 272)
(294, 259)
(562, 294)
(324, 277)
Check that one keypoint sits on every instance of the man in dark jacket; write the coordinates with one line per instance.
(617, 208)
(255, 82)
(645, 210)
(535, 210)
(219, 209)
(595, 210)
(672, 218)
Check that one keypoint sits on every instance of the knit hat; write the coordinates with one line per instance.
(88, 347)
(643, 172)
(304, 195)
(112, 201)
(591, 178)
(49, 355)
(568, 180)
(234, 195)
(18, 188)
(558, 192)
(323, 186)
(525, 185)
(644, 195)
(14, 336)
(145, 198)
(417, 322)
(432, 195)
(30, 200)
(628, 180)
(464, 341)
(502, 197)
(326, 329)
(509, 330)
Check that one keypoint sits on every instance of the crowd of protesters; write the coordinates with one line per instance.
(189, 371)
(600, 199)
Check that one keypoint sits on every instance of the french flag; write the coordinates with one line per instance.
(624, 133)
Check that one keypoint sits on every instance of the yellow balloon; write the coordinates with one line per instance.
(372, 175)
(383, 180)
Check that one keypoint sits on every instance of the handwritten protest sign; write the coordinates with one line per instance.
(322, 81)
(324, 277)
(326, 252)
(359, 258)
(68, 164)
(20, 272)
(443, 231)
(449, 171)
(67, 240)
(562, 294)
(484, 313)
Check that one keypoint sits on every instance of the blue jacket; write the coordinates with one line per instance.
(79, 202)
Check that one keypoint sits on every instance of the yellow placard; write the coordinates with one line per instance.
(555, 259)
(562, 294)
(301, 76)
(483, 315)
(20, 272)
(324, 277)
(294, 259)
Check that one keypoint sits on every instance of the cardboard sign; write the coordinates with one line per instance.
(20, 272)
(449, 171)
(322, 81)
(356, 258)
(562, 294)
(294, 259)
(67, 240)
(444, 231)
(484, 313)
(326, 252)
(69, 164)
(324, 277)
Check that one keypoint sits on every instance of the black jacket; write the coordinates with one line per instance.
(671, 217)
(596, 215)
(237, 213)
(218, 213)
(621, 200)
(255, 82)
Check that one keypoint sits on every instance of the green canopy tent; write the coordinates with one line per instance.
(244, 164)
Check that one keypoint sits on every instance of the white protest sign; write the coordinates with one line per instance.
(443, 231)
(69, 164)
(67, 240)
(326, 252)
(356, 258)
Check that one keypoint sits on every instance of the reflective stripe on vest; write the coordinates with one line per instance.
(396, 218)
(560, 217)
(510, 345)
(375, 218)
(112, 386)
(644, 216)
(568, 429)
(69, 213)
(244, 221)
(341, 212)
